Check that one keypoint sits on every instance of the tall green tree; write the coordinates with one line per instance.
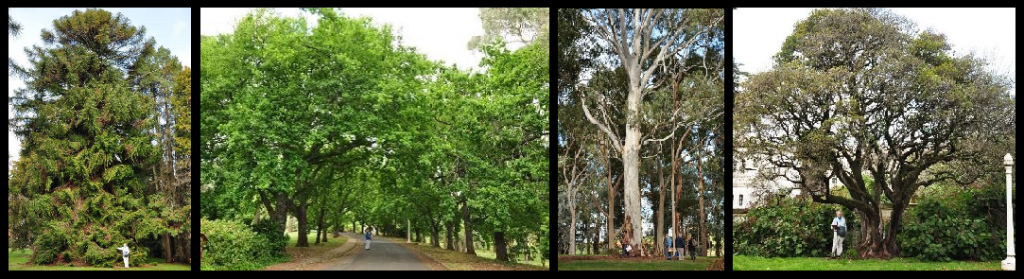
(80, 190)
(326, 97)
(641, 40)
(859, 94)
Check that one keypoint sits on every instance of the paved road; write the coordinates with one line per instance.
(383, 255)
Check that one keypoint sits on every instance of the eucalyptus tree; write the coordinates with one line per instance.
(642, 39)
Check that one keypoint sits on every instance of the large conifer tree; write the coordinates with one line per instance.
(79, 189)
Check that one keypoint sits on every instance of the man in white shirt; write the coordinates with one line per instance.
(124, 253)
(838, 224)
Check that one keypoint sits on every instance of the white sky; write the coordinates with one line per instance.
(990, 33)
(172, 28)
(441, 34)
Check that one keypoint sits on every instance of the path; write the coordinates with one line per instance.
(383, 255)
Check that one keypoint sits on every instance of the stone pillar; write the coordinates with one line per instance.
(1010, 263)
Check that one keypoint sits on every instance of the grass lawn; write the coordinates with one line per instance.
(314, 249)
(461, 261)
(634, 264)
(758, 263)
(16, 261)
(489, 254)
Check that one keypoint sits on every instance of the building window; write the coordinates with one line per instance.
(741, 200)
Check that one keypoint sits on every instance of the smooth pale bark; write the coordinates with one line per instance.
(659, 215)
(631, 160)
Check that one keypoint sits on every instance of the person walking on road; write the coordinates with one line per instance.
(368, 231)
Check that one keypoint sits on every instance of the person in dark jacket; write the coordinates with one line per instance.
(693, 247)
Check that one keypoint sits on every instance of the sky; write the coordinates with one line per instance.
(990, 33)
(440, 34)
(172, 28)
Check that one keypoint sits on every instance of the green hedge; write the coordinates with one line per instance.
(236, 246)
(952, 223)
(795, 228)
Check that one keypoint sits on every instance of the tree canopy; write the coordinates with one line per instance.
(343, 123)
(861, 94)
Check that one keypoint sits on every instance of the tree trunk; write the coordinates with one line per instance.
(702, 239)
(300, 214)
(419, 237)
(572, 228)
(256, 217)
(611, 205)
(167, 247)
(202, 243)
(468, 226)
(449, 231)
(500, 247)
(320, 224)
(434, 235)
(659, 215)
(631, 158)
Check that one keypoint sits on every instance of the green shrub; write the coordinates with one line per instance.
(235, 246)
(794, 228)
(271, 231)
(956, 224)
(49, 247)
(98, 256)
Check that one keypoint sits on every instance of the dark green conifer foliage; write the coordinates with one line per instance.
(79, 189)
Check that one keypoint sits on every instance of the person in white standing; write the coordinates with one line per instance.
(838, 234)
(124, 253)
(368, 231)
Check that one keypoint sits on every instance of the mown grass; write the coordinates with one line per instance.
(18, 260)
(453, 260)
(803, 263)
(634, 264)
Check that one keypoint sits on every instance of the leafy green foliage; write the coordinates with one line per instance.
(850, 96)
(79, 189)
(795, 228)
(235, 246)
(963, 224)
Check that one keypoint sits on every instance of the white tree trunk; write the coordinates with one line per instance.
(631, 160)
(572, 225)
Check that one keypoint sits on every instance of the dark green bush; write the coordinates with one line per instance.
(49, 247)
(235, 246)
(276, 241)
(956, 224)
(795, 228)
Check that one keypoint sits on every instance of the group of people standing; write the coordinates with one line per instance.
(680, 247)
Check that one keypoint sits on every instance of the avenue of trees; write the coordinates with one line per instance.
(863, 97)
(342, 125)
(641, 117)
(104, 124)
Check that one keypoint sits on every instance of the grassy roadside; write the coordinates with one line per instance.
(490, 254)
(453, 260)
(659, 263)
(16, 260)
(803, 263)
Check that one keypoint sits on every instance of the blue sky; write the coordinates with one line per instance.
(172, 28)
